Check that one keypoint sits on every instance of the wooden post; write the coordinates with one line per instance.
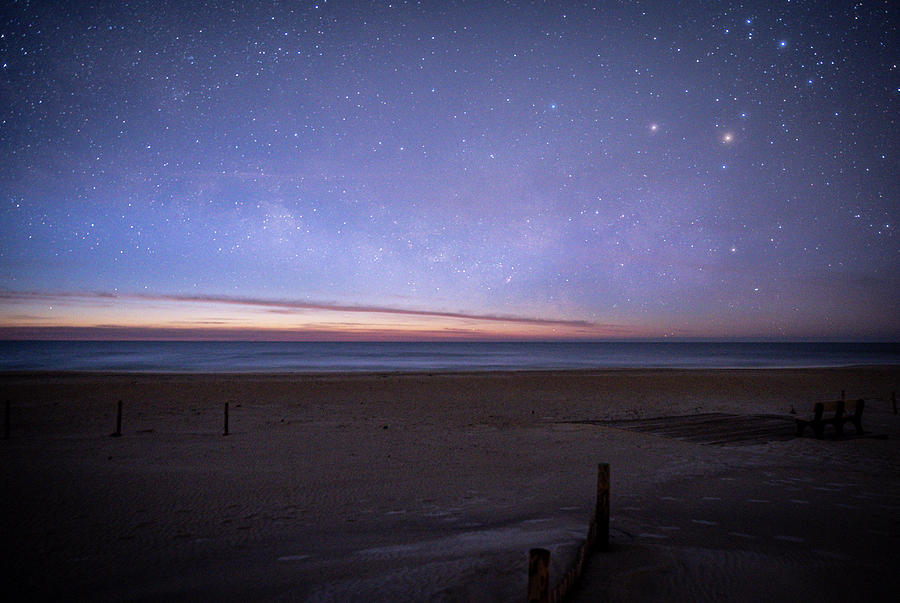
(601, 512)
(6, 419)
(226, 419)
(118, 431)
(538, 576)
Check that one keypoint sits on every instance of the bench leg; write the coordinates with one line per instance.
(819, 430)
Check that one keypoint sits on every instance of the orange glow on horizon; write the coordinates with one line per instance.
(87, 316)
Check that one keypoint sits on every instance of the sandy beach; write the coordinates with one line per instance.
(393, 487)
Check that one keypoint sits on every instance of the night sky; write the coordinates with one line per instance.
(375, 170)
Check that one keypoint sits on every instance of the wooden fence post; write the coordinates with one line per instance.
(601, 512)
(538, 576)
(118, 431)
(226, 419)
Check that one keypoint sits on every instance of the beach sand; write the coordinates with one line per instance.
(393, 487)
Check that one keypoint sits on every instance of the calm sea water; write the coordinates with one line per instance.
(205, 357)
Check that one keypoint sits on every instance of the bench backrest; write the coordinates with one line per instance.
(839, 407)
(832, 405)
(833, 408)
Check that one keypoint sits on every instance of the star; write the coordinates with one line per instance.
(333, 154)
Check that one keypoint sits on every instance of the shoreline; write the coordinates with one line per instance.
(433, 372)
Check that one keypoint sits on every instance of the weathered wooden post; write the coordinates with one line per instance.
(226, 419)
(601, 512)
(118, 431)
(538, 576)
(6, 419)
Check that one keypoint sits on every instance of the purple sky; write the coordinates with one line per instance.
(449, 169)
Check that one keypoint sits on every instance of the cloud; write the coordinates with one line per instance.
(283, 305)
(118, 333)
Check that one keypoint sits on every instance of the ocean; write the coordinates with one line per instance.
(231, 356)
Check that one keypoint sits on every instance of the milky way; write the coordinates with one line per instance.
(450, 169)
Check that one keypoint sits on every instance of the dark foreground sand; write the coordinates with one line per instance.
(433, 487)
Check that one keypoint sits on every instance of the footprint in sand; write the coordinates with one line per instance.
(742, 535)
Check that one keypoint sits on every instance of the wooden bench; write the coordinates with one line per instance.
(841, 411)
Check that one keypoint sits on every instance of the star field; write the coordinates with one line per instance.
(445, 169)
